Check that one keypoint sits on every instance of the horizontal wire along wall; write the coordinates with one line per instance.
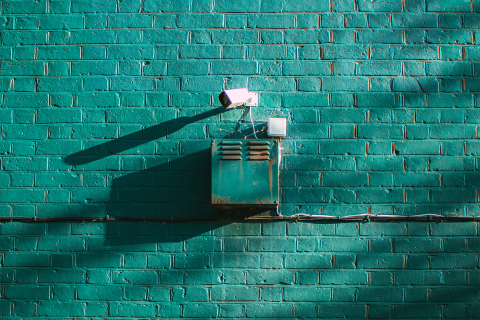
(297, 217)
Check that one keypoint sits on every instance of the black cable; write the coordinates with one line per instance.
(297, 217)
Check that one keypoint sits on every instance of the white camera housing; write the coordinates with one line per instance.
(233, 98)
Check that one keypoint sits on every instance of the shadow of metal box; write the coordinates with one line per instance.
(244, 173)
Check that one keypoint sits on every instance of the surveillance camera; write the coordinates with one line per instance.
(233, 98)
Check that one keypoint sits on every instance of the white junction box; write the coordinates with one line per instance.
(277, 127)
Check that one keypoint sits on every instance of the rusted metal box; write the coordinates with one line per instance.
(245, 173)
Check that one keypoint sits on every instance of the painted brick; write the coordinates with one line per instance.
(379, 98)
(56, 308)
(451, 294)
(62, 276)
(282, 310)
(139, 308)
(380, 294)
(271, 36)
(306, 68)
(235, 293)
(415, 52)
(165, 6)
(308, 260)
(305, 36)
(438, 6)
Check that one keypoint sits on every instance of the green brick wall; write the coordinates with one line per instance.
(108, 108)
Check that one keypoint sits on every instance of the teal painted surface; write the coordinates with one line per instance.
(255, 270)
(109, 108)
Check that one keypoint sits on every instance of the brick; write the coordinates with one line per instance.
(418, 277)
(439, 6)
(93, 68)
(64, 84)
(62, 276)
(21, 7)
(306, 294)
(271, 22)
(343, 294)
(309, 131)
(231, 310)
(343, 277)
(380, 245)
(188, 261)
(307, 261)
(235, 293)
(73, 244)
(190, 293)
(346, 84)
(378, 68)
(234, 67)
(379, 36)
(240, 6)
(159, 294)
(419, 310)
(57, 308)
(270, 294)
(345, 52)
(22, 196)
(276, 311)
(439, 100)
(109, 260)
(452, 294)
(307, 68)
(141, 309)
(462, 229)
(305, 36)
(199, 52)
(272, 84)
(194, 68)
(235, 37)
(26, 68)
(131, 21)
(417, 179)
(390, 6)
(134, 277)
(342, 147)
(26, 260)
(449, 68)
(264, 52)
(26, 292)
(449, 37)
(380, 261)
(304, 100)
(166, 6)
(274, 244)
(104, 293)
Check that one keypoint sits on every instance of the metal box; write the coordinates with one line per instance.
(277, 127)
(245, 173)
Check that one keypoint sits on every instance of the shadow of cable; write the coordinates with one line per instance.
(135, 139)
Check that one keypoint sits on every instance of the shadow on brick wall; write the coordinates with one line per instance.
(177, 187)
(136, 139)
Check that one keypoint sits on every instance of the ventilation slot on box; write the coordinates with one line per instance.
(230, 150)
(258, 151)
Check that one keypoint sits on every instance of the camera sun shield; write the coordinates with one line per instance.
(233, 98)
